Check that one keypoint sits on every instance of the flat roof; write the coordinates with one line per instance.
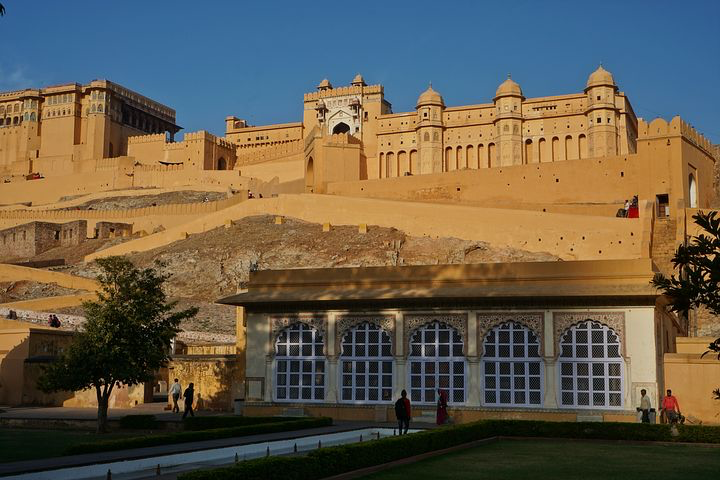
(533, 281)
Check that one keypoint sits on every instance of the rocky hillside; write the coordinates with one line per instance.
(214, 264)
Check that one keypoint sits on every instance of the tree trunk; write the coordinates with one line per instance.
(102, 400)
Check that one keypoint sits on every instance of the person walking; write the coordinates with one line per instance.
(441, 416)
(189, 395)
(403, 412)
(671, 407)
(645, 406)
(175, 392)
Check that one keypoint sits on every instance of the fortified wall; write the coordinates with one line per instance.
(197, 151)
(28, 240)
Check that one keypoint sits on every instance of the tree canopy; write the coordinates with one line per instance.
(126, 338)
(697, 283)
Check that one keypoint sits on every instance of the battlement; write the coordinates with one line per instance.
(336, 92)
(341, 139)
(155, 137)
(160, 168)
(270, 153)
(203, 135)
(660, 127)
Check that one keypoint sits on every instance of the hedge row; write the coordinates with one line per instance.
(196, 436)
(330, 461)
(139, 422)
(227, 421)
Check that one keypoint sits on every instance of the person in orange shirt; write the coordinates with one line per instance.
(671, 407)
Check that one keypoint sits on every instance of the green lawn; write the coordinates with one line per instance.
(25, 444)
(564, 459)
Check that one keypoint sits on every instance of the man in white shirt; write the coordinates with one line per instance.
(645, 406)
(175, 391)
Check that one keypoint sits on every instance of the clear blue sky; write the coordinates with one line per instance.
(209, 59)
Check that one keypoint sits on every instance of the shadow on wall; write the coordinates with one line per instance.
(217, 379)
(18, 378)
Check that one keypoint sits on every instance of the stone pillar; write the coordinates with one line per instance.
(472, 354)
(400, 363)
(473, 386)
(400, 377)
(551, 378)
(331, 387)
(268, 379)
(331, 380)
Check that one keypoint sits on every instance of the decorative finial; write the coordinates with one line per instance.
(509, 76)
(431, 84)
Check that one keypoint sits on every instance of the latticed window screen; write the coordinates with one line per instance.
(512, 367)
(299, 365)
(591, 367)
(366, 365)
(437, 361)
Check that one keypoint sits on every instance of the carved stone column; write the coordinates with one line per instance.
(473, 379)
(269, 379)
(400, 378)
(331, 380)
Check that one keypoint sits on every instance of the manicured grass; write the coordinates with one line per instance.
(28, 444)
(566, 459)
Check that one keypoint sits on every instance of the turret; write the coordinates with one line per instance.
(508, 124)
(430, 107)
(602, 114)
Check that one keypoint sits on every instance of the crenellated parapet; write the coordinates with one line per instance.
(342, 139)
(351, 90)
(660, 127)
(156, 137)
(270, 153)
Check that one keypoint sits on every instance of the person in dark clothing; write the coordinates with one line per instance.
(188, 396)
(403, 412)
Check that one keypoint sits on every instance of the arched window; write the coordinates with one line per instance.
(529, 151)
(436, 361)
(426, 137)
(512, 367)
(591, 368)
(692, 190)
(366, 365)
(299, 365)
(341, 128)
(448, 158)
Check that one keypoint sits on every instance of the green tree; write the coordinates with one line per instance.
(126, 338)
(697, 283)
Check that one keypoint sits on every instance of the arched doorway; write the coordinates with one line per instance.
(222, 164)
(692, 191)
(309, 175)
(341, 127)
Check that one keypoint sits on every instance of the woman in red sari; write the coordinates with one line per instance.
(441, 417)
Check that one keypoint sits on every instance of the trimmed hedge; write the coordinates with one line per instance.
(196, 436)
(227, 421)
(330, 461)
(139, 422)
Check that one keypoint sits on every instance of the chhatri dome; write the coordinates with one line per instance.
(430, 97)
(358, 80)
(508, 87)
(325, 84)
(600, 77)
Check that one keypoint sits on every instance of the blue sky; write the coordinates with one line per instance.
(209, 59)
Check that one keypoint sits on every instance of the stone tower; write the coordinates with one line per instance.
(508, 124)
(430, 107)
(602, 114)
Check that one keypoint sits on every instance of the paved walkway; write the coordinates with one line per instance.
(104, 457)
(64, 413)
